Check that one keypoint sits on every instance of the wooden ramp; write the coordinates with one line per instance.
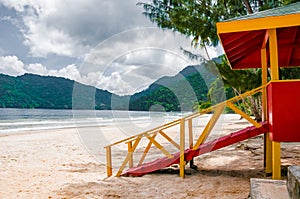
(216, 144)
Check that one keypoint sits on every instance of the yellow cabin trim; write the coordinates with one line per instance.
(271, 22)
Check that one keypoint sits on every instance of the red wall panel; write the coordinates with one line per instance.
(284, 111)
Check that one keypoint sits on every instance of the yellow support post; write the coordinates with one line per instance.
(276, 160)
(267, 140)
(190, 125)
(276, 167)
(191, 140)
(138, 139)
(182, 147)
(130, 162)
(209, 126)
(244, 115)
(273, 54)
(264, 77)
(160, 147)
(146, 151)
(108, 161)
(169, 139)
(268, 153)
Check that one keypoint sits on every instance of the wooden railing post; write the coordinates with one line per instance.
(108, 161)
(191, 140)
(190, 125)
(137, 141)
(130, 162)
(146, 151)
(210, 125)
(169, 139)
(244, 115)
(182, 147)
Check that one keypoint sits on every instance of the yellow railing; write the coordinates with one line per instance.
(133, 141)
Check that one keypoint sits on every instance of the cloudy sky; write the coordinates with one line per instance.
(104, 43)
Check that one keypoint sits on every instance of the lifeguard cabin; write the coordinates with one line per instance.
(269, 40)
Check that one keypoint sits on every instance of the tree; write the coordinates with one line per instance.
(240, 81)
(197, 18)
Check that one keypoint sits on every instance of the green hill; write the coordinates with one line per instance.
(175, 93)
(34, 91)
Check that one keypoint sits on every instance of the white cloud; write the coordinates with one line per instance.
(113, 83)
(11, 65)
(118, 56)
(151, 54)
(70, 72)
(215, 51)
(91, 78)
(56, 42)
(37, 68)
(72, 28)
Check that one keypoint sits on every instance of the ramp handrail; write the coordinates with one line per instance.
(151, 134)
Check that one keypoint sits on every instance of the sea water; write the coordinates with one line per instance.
(99, 128)
(21, 120)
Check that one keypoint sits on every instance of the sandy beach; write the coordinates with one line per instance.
(56, 164)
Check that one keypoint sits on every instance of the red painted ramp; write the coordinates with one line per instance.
(216, 144)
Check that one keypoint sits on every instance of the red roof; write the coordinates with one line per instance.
(243, 48)
(243, 38)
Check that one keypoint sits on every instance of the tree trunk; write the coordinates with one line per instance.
(206, 50)
(247, 4)
(255, 108)
(253, 105)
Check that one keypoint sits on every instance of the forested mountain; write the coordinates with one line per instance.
(180, 92)
(176, 93)
(34, 91)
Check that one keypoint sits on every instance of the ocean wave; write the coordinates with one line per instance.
(17, 120)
